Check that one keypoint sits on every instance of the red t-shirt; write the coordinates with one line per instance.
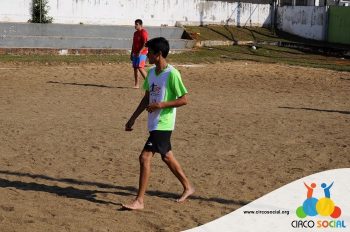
(140, 38)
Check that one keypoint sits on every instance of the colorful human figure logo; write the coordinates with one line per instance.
(324, 206)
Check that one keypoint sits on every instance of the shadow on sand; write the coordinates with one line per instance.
(90, 195)
(312, 109)
(88, 85)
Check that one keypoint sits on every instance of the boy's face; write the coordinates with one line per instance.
(153, 57)
(138, 26)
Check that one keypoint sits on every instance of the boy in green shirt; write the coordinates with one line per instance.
(164, 92)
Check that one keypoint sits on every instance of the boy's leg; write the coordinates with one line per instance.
(143, 73)
(145, 170)
(136, 76)
(141, 65)
(176, 169)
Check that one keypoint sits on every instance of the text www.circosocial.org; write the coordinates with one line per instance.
(264, 212)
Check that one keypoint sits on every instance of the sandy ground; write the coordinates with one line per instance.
(67, 164)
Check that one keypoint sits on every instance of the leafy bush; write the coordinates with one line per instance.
(40, 10)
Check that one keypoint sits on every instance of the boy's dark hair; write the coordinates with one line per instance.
(138, 21)
(159, 44)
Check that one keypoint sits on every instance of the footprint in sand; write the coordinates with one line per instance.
(7, 208)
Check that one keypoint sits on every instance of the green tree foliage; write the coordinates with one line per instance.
(40, 10)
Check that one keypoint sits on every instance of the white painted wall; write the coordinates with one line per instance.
(305, 21)
(15, 10)
(152, 12)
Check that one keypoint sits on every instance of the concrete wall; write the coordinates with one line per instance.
(84, 31)
(153, 12)
(305, 21)
(68, 36)
(15, 10)
(301, 2)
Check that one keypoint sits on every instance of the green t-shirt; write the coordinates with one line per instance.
(167, 86)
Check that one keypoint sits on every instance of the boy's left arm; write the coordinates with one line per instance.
(144, 36)
(181, 101)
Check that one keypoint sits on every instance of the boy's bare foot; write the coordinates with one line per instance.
(128, 129)
(186, 194)
(136, 87)
(136, 205)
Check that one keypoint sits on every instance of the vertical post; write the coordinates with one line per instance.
(239, 13)
(273, 8)
(276, 4)
(272, 15)
(40, 10)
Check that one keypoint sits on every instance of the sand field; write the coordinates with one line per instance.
(66, 163)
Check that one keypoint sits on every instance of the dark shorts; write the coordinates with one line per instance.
(158, 141)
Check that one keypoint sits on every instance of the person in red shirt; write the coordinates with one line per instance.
(139, 51)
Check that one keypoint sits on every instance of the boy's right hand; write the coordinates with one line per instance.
(129, 124)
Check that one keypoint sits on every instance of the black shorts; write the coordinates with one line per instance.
(158, 141)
